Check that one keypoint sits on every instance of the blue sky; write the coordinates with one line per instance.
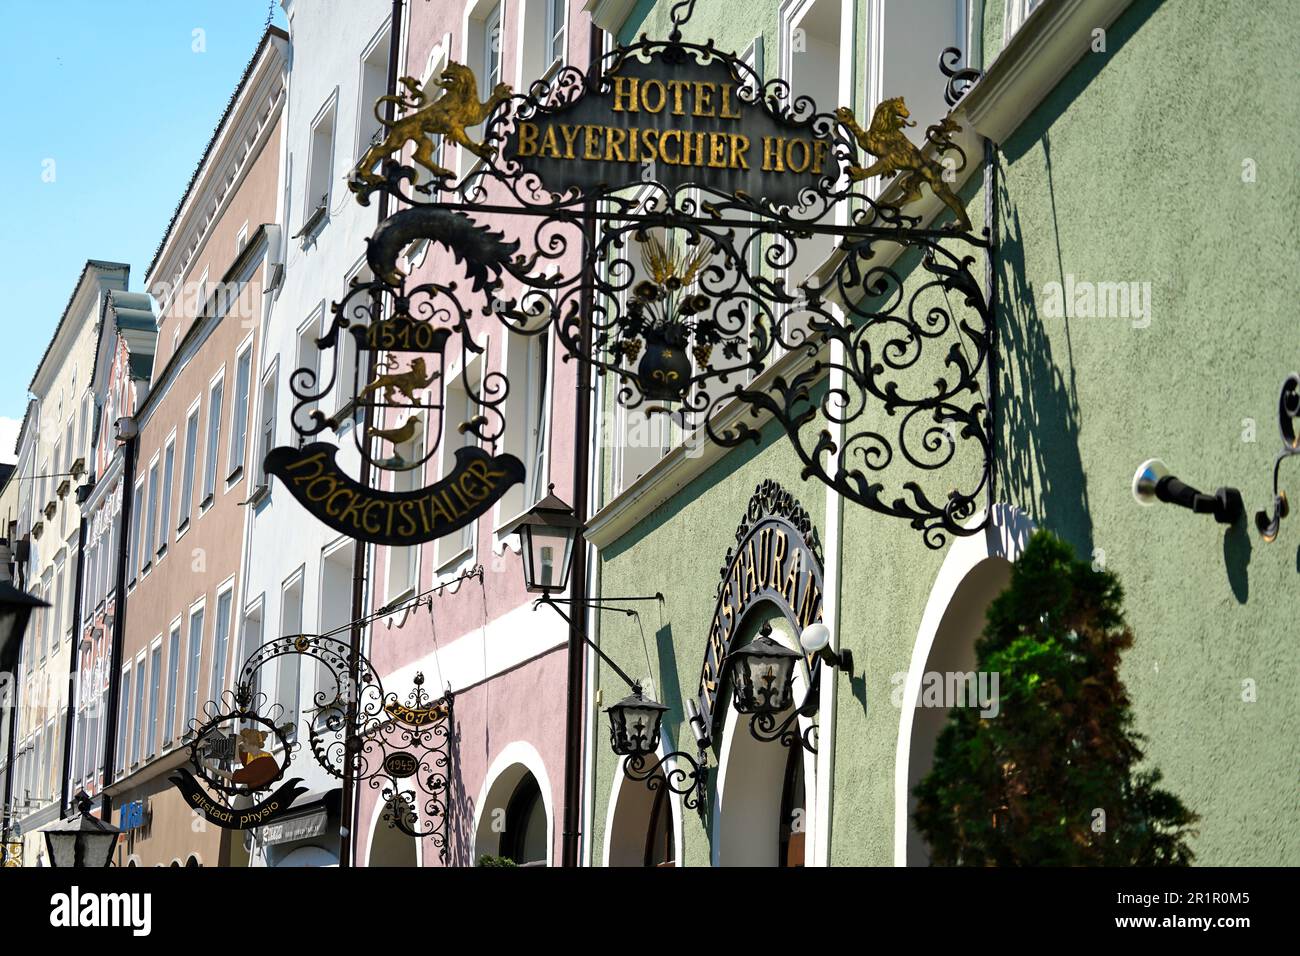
(122, 97)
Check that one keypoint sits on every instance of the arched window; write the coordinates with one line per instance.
(524, 839)
(659, 849)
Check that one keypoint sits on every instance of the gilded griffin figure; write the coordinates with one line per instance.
(895, 153)
(457, 108)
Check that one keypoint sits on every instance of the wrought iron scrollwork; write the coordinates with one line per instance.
(960, 79)
(684, 293)
(689, 781)
(399, 747)
(766, 728)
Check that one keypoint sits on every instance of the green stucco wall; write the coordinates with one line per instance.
(1131, 170)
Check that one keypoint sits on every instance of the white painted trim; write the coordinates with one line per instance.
(1005, 537)
(524, 754)
(1044, 48)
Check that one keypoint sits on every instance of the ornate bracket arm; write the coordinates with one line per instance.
(687, 783)
(1288, 410)
(764, 728)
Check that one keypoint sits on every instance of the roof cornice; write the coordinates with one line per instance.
(257, 100)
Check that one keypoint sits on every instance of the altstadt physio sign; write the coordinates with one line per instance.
(680, 123)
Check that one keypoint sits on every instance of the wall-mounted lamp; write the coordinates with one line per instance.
(1152, 482)
(816, 639)
(1288, 410)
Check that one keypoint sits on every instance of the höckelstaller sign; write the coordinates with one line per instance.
(400, 519)
(677, 124)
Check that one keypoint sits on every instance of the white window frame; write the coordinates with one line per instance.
(190, 467)
(167, 487)
(155, 652)
(174, 701)
(267, 413)
(193, 680)
(316, 209)
(212, 442)
(220, 668)
(237, 457)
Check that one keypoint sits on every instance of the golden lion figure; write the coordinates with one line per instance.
(406, 383)
(895, 153)
(448, 115)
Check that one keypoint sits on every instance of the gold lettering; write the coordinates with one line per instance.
(773, 150)
(650, 142)
(704, 106)
(792, 580)
(724, 112)
(614, 139)
(778, 559)
(646, 87)
(528, 133)
(810, 603)
(663, 146)
(570, 134)
(789, 155)
(549, 144)
(632, 136)
(625, 92)
(820, 149)
(677, 86)
(739, 147)
(717, 151)
(752, 583)
(591, 142)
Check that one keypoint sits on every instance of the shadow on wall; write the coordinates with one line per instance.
(461, 808)
(1040, 468)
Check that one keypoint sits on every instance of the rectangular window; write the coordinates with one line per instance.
(320, 160)
(137, 722)
(539, 367)
(239, 414)
(221, 641)
(289, 675)
(151, 525)
(192, 671)
(374, 84)
(164, 513)
(556, 15)
(155, 682)
(123, 721)
(56, 619)
(137, 514)
(491, 55)
(267, 428)
(309, 360)
(214, 442)
(173, 678)
(252, 640)
(187, 473)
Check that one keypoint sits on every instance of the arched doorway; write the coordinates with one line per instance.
(975, 571)
(513, 817)
(761, 810)
(389, 845)
(642, 828)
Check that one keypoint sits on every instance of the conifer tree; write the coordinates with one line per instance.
(1054, 778)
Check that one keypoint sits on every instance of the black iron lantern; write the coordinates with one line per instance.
(547, 532)
(762, 675)
(634, 724)
(15, 610)
(84, 841)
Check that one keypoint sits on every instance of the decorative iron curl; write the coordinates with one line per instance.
(764, 728)
(690, 784)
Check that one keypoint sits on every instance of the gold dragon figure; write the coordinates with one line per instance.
(895, 153)
(448, 115)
